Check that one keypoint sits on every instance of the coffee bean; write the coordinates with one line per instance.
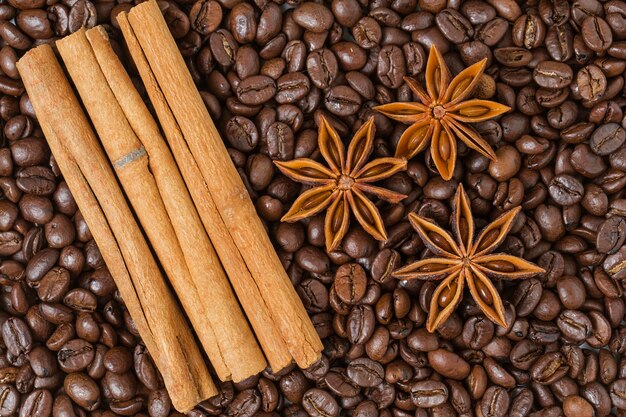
(365, 372)
(596, 33)
(391, 66)
(428, 394)
(16, 336)
(361, 322)
(591, 82)
(566, 190)
(37, 403)
(342, 100)
(551, 74)
(322, 67)
(242, 134)
(82, 390)
(448, 364)
(549, 368)
(318, 403)
(495, 402)
(350, 283)
(607, 138)
(292, 87)
(75, 355)
(256, 90)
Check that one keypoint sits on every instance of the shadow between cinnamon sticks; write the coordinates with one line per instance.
(155, 188)
(124, 249)
(152, 46)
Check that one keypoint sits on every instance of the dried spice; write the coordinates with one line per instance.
(460, 260)
(342, 186)
(443, 114)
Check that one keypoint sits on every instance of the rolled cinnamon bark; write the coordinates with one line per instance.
(153, 185)
(224, 184)
(245, 287)
(139, 280)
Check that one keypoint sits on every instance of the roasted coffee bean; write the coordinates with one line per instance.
(37, 403)
(596, 33)
(16, 336)
(551, 74)
(350, 283)
(607, 138)
(365, 372)
(82, 390)
(495, 402)
(391, 66)
(292, 87)
(256, 90)
(242, 134)
(448, 364)
(314, 17)
(428, 394)
(591, 82)
(342, 100)
(566, 190)
(75, 355)
(322, 67)
(549, 368)
(279, 141)
(319, 403)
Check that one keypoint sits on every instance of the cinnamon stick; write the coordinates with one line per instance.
(245, 287)
(87, 172)
(153, 184)
(227, 190)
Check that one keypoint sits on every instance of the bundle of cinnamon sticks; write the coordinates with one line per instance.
(189, 201)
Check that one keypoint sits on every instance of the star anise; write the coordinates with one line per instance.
(342, 187)
(461, 260)
(442, 114)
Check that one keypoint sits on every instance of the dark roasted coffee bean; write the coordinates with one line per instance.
(391, 66)
(342, 101)
(495, 402)
(428, 394)
(350, 283)
(16, 336)
(365, 372)
(319, 403)
(549, 368)
(37, 403)
(322, 67)
(314, 17)
(551, 74)
(448, 364)
(256, 90)
(596, 33)
(367, 32)
(292, 87)
(566, 190)
(591, 82)
(242, 134)
(75, 355)
(82, 390)
(607, 138)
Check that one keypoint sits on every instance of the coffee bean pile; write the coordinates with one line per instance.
(268, 72)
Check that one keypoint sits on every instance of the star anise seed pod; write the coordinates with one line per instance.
(462, 260)
(443, 114)
(342, 187)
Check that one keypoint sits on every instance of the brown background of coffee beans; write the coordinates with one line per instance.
(268, 71)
